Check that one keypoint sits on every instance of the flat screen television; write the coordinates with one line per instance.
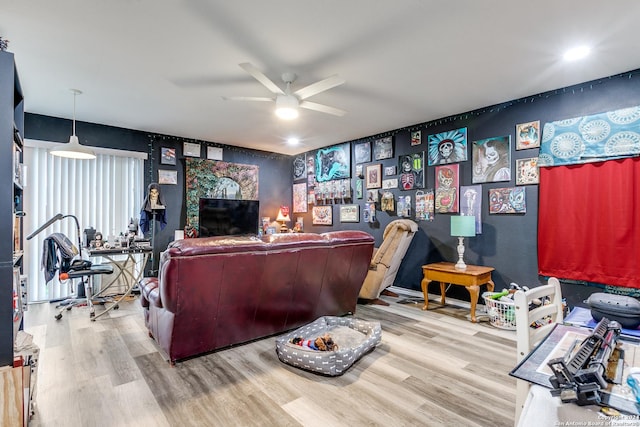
(225, 217)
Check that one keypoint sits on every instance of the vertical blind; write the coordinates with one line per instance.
(104, 193)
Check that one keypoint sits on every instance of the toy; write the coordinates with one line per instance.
(323, 343)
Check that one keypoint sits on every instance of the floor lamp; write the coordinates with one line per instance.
(461, 227)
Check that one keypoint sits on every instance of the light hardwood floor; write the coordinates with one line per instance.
(432, 368)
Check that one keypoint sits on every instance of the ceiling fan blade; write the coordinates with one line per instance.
(318, 87)
(322, 108)
(259, 76)
(246, 98)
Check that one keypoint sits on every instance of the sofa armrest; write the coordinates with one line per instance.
(149, 292)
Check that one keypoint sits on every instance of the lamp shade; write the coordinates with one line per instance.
(283, 214)
(463, 226)
(73, 150)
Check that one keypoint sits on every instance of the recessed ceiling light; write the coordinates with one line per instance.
(577, 53)
(293, 141)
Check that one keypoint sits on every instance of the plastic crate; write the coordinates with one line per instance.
(502, 313)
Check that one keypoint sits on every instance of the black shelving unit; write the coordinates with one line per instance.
(11, 131)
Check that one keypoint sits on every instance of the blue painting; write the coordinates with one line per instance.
(448, 147)
(333, 162)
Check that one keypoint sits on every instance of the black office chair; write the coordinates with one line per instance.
(61, 257)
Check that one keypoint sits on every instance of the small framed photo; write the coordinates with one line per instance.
(349, 213)
(527, 171)
(389, 170)
(191, 149)
(167, 177)
(322, 215)
(383, 148)
(214, 153)
(271, 230)
(389, 183)
(167, 156)
(374, 176)
(416, 138)
(528, 135)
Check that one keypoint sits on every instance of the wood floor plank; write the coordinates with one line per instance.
(432, 368)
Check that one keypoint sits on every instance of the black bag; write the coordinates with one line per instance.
(622, 309)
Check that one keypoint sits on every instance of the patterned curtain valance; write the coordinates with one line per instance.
(595, 138)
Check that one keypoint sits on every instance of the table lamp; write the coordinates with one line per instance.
(283, 216)
(461, 227)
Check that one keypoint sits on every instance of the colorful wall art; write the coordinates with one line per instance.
(492, 159)
(333, 162)
(446, 194)
(528, 135)
(507, 200)
(448, 147)
(527, 171)
(217, 179)
(411, 167)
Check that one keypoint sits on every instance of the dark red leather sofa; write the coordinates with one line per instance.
(216, 292)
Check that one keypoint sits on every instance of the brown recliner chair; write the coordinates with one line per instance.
(386, 259)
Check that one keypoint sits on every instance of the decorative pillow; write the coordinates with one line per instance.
(353, 337)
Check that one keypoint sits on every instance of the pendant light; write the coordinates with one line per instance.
(73, 150)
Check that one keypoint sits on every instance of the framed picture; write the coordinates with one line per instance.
(512, 200)
(167, 177)
(492, 159)
(373, 176)
(411, 168)
(214, 153)
(349, 213)
(300, 197)
(300, 167)
(383, 148)
(191, 149)
(416, 138)
(447, 184)
(527, 171)
(322, 215)
(363, 152)
(333, 162)
(389, 170)
(471, 203)
(167, 156)
(447, 147)
(360, 171)
(528, 135)
(389, 183)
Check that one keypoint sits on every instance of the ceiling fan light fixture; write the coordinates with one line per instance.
(287, 107)
(73, 150)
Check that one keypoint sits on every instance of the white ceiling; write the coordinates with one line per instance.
(164, 66)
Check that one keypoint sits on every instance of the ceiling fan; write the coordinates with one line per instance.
(287, 102)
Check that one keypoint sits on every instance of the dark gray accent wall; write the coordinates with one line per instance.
(508, 242)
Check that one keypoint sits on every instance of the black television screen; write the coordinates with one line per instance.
(225, 217)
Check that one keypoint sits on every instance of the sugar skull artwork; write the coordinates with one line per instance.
(507, 200)
(446, 193)
(448, 147)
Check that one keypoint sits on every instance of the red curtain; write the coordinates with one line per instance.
(589, 222)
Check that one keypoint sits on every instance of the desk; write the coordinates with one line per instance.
(445, 272)
(128, 269)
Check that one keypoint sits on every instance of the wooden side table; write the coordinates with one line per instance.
(446, 272)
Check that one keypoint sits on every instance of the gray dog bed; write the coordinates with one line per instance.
(354, 338)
